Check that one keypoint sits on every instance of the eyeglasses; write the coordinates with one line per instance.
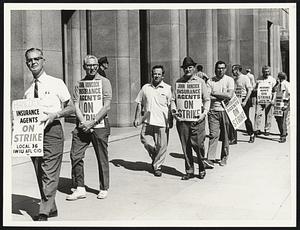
(91, 66)
(34, 59)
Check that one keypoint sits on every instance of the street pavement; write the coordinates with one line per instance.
(253, 189)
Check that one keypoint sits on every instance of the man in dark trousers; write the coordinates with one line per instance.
(56, 103)
(103, 65)
(192, 133)
(87, 131)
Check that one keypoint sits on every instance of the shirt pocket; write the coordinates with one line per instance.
(162, 99)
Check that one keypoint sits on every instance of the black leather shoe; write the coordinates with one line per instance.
(266, 133)
(41, 217)
(157, 173)
(252, 138)
(257, 132)
(233, 142)
(53, 214)
(202, 174)
(282, 140)
(187, 176)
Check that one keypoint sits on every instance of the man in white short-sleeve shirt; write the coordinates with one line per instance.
(56, 103)
(155, 99)
(221, 88)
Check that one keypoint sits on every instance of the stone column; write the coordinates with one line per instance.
(38, 29)
(75, 50)
(228, 37)
(167, 41)
(123, 79)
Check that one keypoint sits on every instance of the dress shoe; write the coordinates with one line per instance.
(41, 217)
(257, 132)
(202, 174)
(223, 161)
(187, 176)
(53, 214)
(252, 138)
(233, 142)
(282, 140)
(267, 133)
(208, 164)
(157, 173)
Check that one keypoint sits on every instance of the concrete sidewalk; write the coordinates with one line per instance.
(253, 189)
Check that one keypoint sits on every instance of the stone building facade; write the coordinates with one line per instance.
(135, 40)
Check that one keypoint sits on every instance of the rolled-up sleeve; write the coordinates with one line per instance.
(106, 90)
(205, 96)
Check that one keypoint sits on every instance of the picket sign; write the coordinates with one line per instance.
(188, 101)
(28, 131)
(279, 104)
(91, 100)
(264, 93)
(235, 112)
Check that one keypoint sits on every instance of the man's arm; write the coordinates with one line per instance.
(249, 91)
(137, 116)
(223, 96)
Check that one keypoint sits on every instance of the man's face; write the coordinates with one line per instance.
(220, 70)
(35, 62)
(157, 76)
(235, 72)
(105, 65)
(91, 66)
(189, 70)
(266, 72)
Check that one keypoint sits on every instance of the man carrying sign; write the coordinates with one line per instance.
(282, 87)
(155, 98)
(192, 133)
(86, 131)
(56, 103)
(243, 89)
(263, 89)
(221, 88)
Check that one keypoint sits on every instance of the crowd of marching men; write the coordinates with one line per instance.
(158, 105)
(162, 103)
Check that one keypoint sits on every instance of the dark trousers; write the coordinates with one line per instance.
(248, 122)
(192, 135)
(47, 168)
(281, 122)
(80, 142)
(218, 122)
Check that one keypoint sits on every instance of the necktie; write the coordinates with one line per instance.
(36, 89)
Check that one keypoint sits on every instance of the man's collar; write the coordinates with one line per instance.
(96, 77)
(160, 85)
(41, 78)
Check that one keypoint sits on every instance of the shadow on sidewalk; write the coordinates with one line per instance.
(181, 156)
(25, 203)
(143, 166)
(65, 185)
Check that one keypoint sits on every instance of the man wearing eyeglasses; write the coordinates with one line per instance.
(56, 103)
(220, 87)
(86, 132)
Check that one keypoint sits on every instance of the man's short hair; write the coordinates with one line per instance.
(199, 68)
(33, 49)
(158, 67)
(265, 67)
(87, 57)
(282, 75)
(102, 60)
(238, 67)
(220, 63)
